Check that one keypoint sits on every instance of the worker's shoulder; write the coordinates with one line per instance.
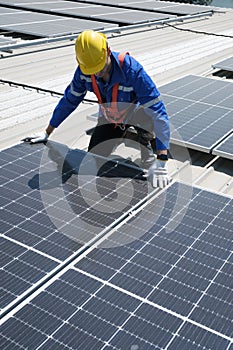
(126, 60)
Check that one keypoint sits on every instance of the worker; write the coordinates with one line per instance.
(127, 97)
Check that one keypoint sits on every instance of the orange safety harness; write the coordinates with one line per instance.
(112, 114)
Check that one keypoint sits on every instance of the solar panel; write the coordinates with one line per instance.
(200, 109)
(45, 25)
(225, 148)
(225, 64)
(158, 6)
(51, 208)
(166, 289)
(102, 13)
(182, 261)
(42, 193)
(118, 15)
(79, 312)
(21, 267)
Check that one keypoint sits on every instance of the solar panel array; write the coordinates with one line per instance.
(225, 64)
(158, 279)
(116, 15)
(46, 25)
(48, 18)
(225, 148)
(157, 6)
(44, 217)
(201, 111)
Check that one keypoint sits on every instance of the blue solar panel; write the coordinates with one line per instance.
(185, 271)
(200, 109)
(43, 201)
(226, 64)
(49, 212)
(157, 6)
(79, 312)
(168, 287)
(21, 269)
(116, 15)
(225, 148)
(46, 25)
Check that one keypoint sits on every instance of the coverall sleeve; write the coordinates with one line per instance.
(148, 96)
(73, 96)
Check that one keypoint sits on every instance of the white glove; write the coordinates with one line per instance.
(37, 138)
(158, 175)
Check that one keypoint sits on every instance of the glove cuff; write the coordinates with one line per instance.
(162, 157)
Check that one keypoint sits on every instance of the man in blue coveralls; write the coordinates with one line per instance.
(127, 97)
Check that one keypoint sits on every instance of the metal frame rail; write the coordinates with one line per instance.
(106, 31)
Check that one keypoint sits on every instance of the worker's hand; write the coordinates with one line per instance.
(37, 138)
(158, 175)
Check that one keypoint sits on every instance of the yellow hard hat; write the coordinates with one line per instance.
(91, 51)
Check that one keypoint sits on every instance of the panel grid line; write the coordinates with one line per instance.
(13, 341)
(181, 256)
(157, 306)
(20, 201)
(174, 284)
(196, 304)
(209, 285)
(72, 315)
(151, 270)
(200, 110)
(193, 102)
(32, 249)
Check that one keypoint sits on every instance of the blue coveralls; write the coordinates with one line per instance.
(135, 86)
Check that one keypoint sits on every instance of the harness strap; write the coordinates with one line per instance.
(112, 113)
(121, 58)
(96, 89)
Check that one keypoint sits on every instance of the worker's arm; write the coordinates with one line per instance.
(149, 98)
(40, 137)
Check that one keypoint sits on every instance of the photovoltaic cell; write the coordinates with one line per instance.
(91, 11)
(20, 269)
(225, 148)
(165, 289)
(45, 25)
(100, 317)
(45, 203)
(200, 109)
(46, 217)
(83, 313)
(225, 64)
(185, 270)
(158, 6)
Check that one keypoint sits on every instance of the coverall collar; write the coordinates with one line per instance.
(117, 75)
